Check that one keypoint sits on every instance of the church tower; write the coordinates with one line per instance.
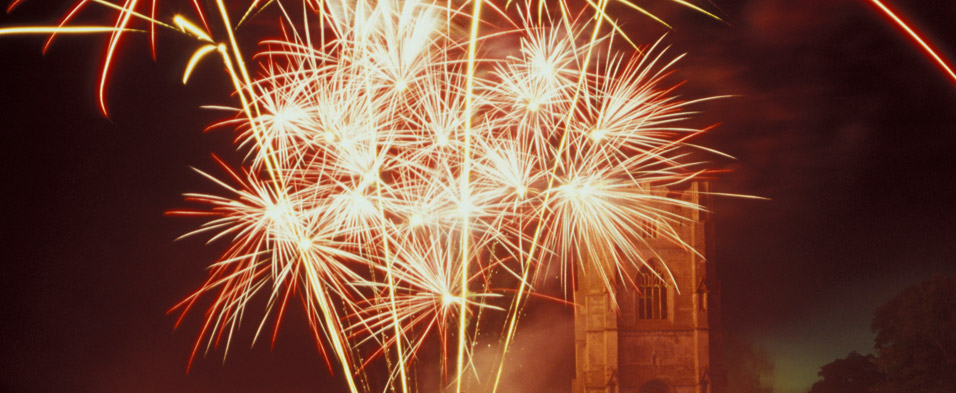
(660, 340)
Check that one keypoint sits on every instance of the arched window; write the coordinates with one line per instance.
(702, 294)
(651, 296)
(654, 386)
(649, 229)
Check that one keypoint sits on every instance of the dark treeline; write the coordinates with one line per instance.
(915, 346)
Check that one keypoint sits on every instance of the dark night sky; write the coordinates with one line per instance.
(839, 120)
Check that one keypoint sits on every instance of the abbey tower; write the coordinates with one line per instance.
(661, 340)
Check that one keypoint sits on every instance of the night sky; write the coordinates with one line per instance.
(837, 118)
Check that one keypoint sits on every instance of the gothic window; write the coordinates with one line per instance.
(651, 296)
(654, 386)
(649, 229)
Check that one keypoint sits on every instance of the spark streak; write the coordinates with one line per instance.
(465, 191)
(932, 53)
(60, 30)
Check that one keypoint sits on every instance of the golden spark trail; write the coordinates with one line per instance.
(314, 282)
(330, 323)
(466, 193)
(114, 41)
(325, 305)
(271, 166)
(62, 30)
(195, 59)
(389, 268)
(389, 262)
(943, 65)
(188, 27)
(63, 22)
(136, 14)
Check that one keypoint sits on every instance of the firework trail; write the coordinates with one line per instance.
(398, 163)
(911, 33)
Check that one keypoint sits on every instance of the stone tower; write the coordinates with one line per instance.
(660, 340)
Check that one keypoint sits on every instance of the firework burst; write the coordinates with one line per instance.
(403, 156)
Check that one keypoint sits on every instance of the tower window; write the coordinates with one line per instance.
(651, 296)
(649, 228)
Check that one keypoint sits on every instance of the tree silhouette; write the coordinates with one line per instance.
(916, 338)
(853, 374)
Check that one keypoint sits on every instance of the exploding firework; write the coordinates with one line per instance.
(398, 177)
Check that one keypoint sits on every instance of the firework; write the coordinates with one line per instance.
(394, 170)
